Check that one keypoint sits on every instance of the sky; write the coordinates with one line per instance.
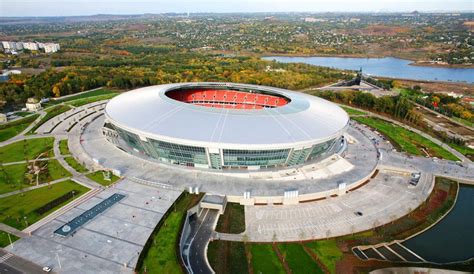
(90, 7)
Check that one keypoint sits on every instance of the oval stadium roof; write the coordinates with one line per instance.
(151, 113)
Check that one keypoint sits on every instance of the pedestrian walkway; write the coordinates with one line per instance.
(13, 231)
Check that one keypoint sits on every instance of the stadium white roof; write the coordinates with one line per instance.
(305, 120)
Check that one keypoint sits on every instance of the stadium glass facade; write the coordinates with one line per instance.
(196, 156)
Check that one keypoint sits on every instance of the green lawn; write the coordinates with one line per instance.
(234, 263)
(14, 128)
(12, 178)
(98, 177)
(298, 260)
(265, 260)
(72, 162)
(327, 251)
(463, 121)
(50, 113)
(88, 100)
(352, 111)
(233, 219)
(63, 147)
(14, 208)
(94, 93)
(406, 140)
(29, 148)
(22, 113)
(464, 150)
(56, 171)
(4, 240)
(161, 256)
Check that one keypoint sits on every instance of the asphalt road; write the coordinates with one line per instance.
(11, 264)
(202, 230)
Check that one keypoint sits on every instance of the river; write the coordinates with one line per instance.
(451, 239)
(385, 67)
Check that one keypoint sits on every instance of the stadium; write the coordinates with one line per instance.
(225, 126)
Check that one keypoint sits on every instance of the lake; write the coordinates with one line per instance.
(451, 239)
(385, 67)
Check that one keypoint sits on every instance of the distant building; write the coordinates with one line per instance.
(314, 20)
(30, 45)
(3, 118)
(51, 47)
(32, 104)
(18, 45)
(13, 47)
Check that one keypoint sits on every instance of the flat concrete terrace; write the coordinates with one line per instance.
(386, 197)
(361, 155)
(109, 243)
(65, 121)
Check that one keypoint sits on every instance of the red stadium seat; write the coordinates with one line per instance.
(231, 99)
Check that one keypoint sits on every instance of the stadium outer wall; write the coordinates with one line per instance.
(269, 120)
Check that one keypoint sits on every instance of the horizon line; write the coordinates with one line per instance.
(244, 12)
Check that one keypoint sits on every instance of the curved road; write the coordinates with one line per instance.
(201, 231)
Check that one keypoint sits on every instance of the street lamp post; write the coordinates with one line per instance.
(59, 262)
(9, 238)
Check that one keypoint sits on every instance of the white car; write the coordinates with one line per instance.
(47, 269)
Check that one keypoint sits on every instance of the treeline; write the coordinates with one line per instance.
(399, 107)
(447, 105)
(127, 72)
(382, 83)
(50, 83)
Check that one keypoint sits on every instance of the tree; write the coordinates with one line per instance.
(56, 91)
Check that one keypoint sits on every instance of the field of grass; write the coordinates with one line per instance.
(298, 259)
(94, 93)
(18, 210)
(63, 147)
(233, 219)
(4, 240)
(98, 177)
(50, 113)
(265, 260)
(72, 162)
(56, 171)
(22, 113)
(88, 100)
(28, 148)
(12, 178)
(463, 121)
(161, 255)
(406, 140)
(464, 150)
(234, 262)
(327, 251)
(352, 111)
(11, 129)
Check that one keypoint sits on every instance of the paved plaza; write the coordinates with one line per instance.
(109, 243)
(386, 197)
